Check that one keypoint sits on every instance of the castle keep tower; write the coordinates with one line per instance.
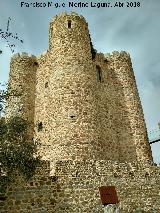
(67, 95)
(85, 111)
(83, 107)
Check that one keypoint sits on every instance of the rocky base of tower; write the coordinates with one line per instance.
(75, 188)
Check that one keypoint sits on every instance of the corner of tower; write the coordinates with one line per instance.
(22, 83)
(19, 64)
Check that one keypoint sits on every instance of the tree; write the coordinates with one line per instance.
(17, 151)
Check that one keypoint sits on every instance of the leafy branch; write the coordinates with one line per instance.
(17, 150)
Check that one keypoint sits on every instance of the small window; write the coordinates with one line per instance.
(72, 116)
(69, 23)
(46, 85)
(40, 126)
(35, 63)
(99, 73)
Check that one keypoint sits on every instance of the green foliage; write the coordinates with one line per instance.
(2, 97)
(139, 210)
(5, 94)
(18, 153)
(16, 150)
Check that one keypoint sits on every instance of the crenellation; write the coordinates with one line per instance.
(119, 56)
(44, 53)
(87, 116)
(16, 55)
(24, 54)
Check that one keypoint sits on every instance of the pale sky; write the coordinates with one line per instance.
(134, 29)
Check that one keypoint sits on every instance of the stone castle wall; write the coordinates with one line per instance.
(82, 117)
(114, 120)
(75, 188)
(121, 65)
(62, 101)
(86, 114)
(22, 82)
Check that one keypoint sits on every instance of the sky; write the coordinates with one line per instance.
(133, 29)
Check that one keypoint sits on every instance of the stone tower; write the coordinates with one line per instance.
(22, 80)
(83, 106)
(84, 109)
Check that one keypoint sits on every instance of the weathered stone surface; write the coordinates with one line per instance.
(76, 188)
(87, 115)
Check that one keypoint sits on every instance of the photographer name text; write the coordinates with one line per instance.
(81, 4)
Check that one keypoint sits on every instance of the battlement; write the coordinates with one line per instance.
(121, 56)
(23, 55)
(65, 15)
(118, 55)
(42, 55)
(21, 62)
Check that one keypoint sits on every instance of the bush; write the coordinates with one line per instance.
(16, 150)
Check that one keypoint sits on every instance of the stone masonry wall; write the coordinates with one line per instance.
(69, 109)
(114, 120)
(33, 196)
(92, 132)
(74, 188)
(121, 65)
(106, 110)
(82, 117)
(120, 109)
(137, 184)
(22, 81)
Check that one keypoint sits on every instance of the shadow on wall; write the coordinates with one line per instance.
(127, 150)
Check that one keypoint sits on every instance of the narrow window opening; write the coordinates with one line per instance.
(76, 173)
(46, 85)
(147, 174)
(69, 23)
(40, 126)
(72, 116)
(35, 63)
(99, 73)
